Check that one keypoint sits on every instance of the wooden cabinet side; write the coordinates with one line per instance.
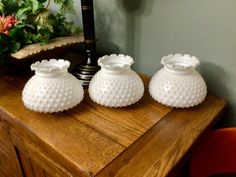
(34, 161)
(9, 164)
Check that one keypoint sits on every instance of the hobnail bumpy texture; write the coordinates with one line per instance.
(116, 90)
(52, 94)
(177, 91)
(116, 85)
(181, 90)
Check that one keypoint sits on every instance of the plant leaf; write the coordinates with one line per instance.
(66, 6)
(42, 1)
(36, 6)
(15, 47)
(34, 23)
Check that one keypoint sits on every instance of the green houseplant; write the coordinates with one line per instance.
(24, 22)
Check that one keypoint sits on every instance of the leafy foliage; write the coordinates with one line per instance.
(35, 23)
(66, 6)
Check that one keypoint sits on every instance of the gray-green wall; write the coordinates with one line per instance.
(151, 29)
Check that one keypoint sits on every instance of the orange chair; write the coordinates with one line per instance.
(215, 154)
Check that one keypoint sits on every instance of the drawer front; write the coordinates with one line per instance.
(9, 166)
(30, 168)
(34, 161)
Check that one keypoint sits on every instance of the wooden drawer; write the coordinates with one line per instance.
(30, 168)
(35, 162)
(9, 166)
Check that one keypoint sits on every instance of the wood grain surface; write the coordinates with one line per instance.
(159, 150)
(123, 125)
(30, 168)
(9, 165)
(144, 140)
(31, 153)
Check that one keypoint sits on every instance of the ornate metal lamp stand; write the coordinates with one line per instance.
(86, 70)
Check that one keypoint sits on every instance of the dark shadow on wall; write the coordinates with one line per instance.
(134, 10)
(106, 17)
(215, 78)
(103, 23)
(131, 8)
(229, 118)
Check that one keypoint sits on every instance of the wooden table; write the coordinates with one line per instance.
(146, 139)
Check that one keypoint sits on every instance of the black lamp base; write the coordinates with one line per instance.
(85, 73)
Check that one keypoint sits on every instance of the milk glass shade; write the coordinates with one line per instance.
(116, 84)
(52, 88)
(178, 84)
